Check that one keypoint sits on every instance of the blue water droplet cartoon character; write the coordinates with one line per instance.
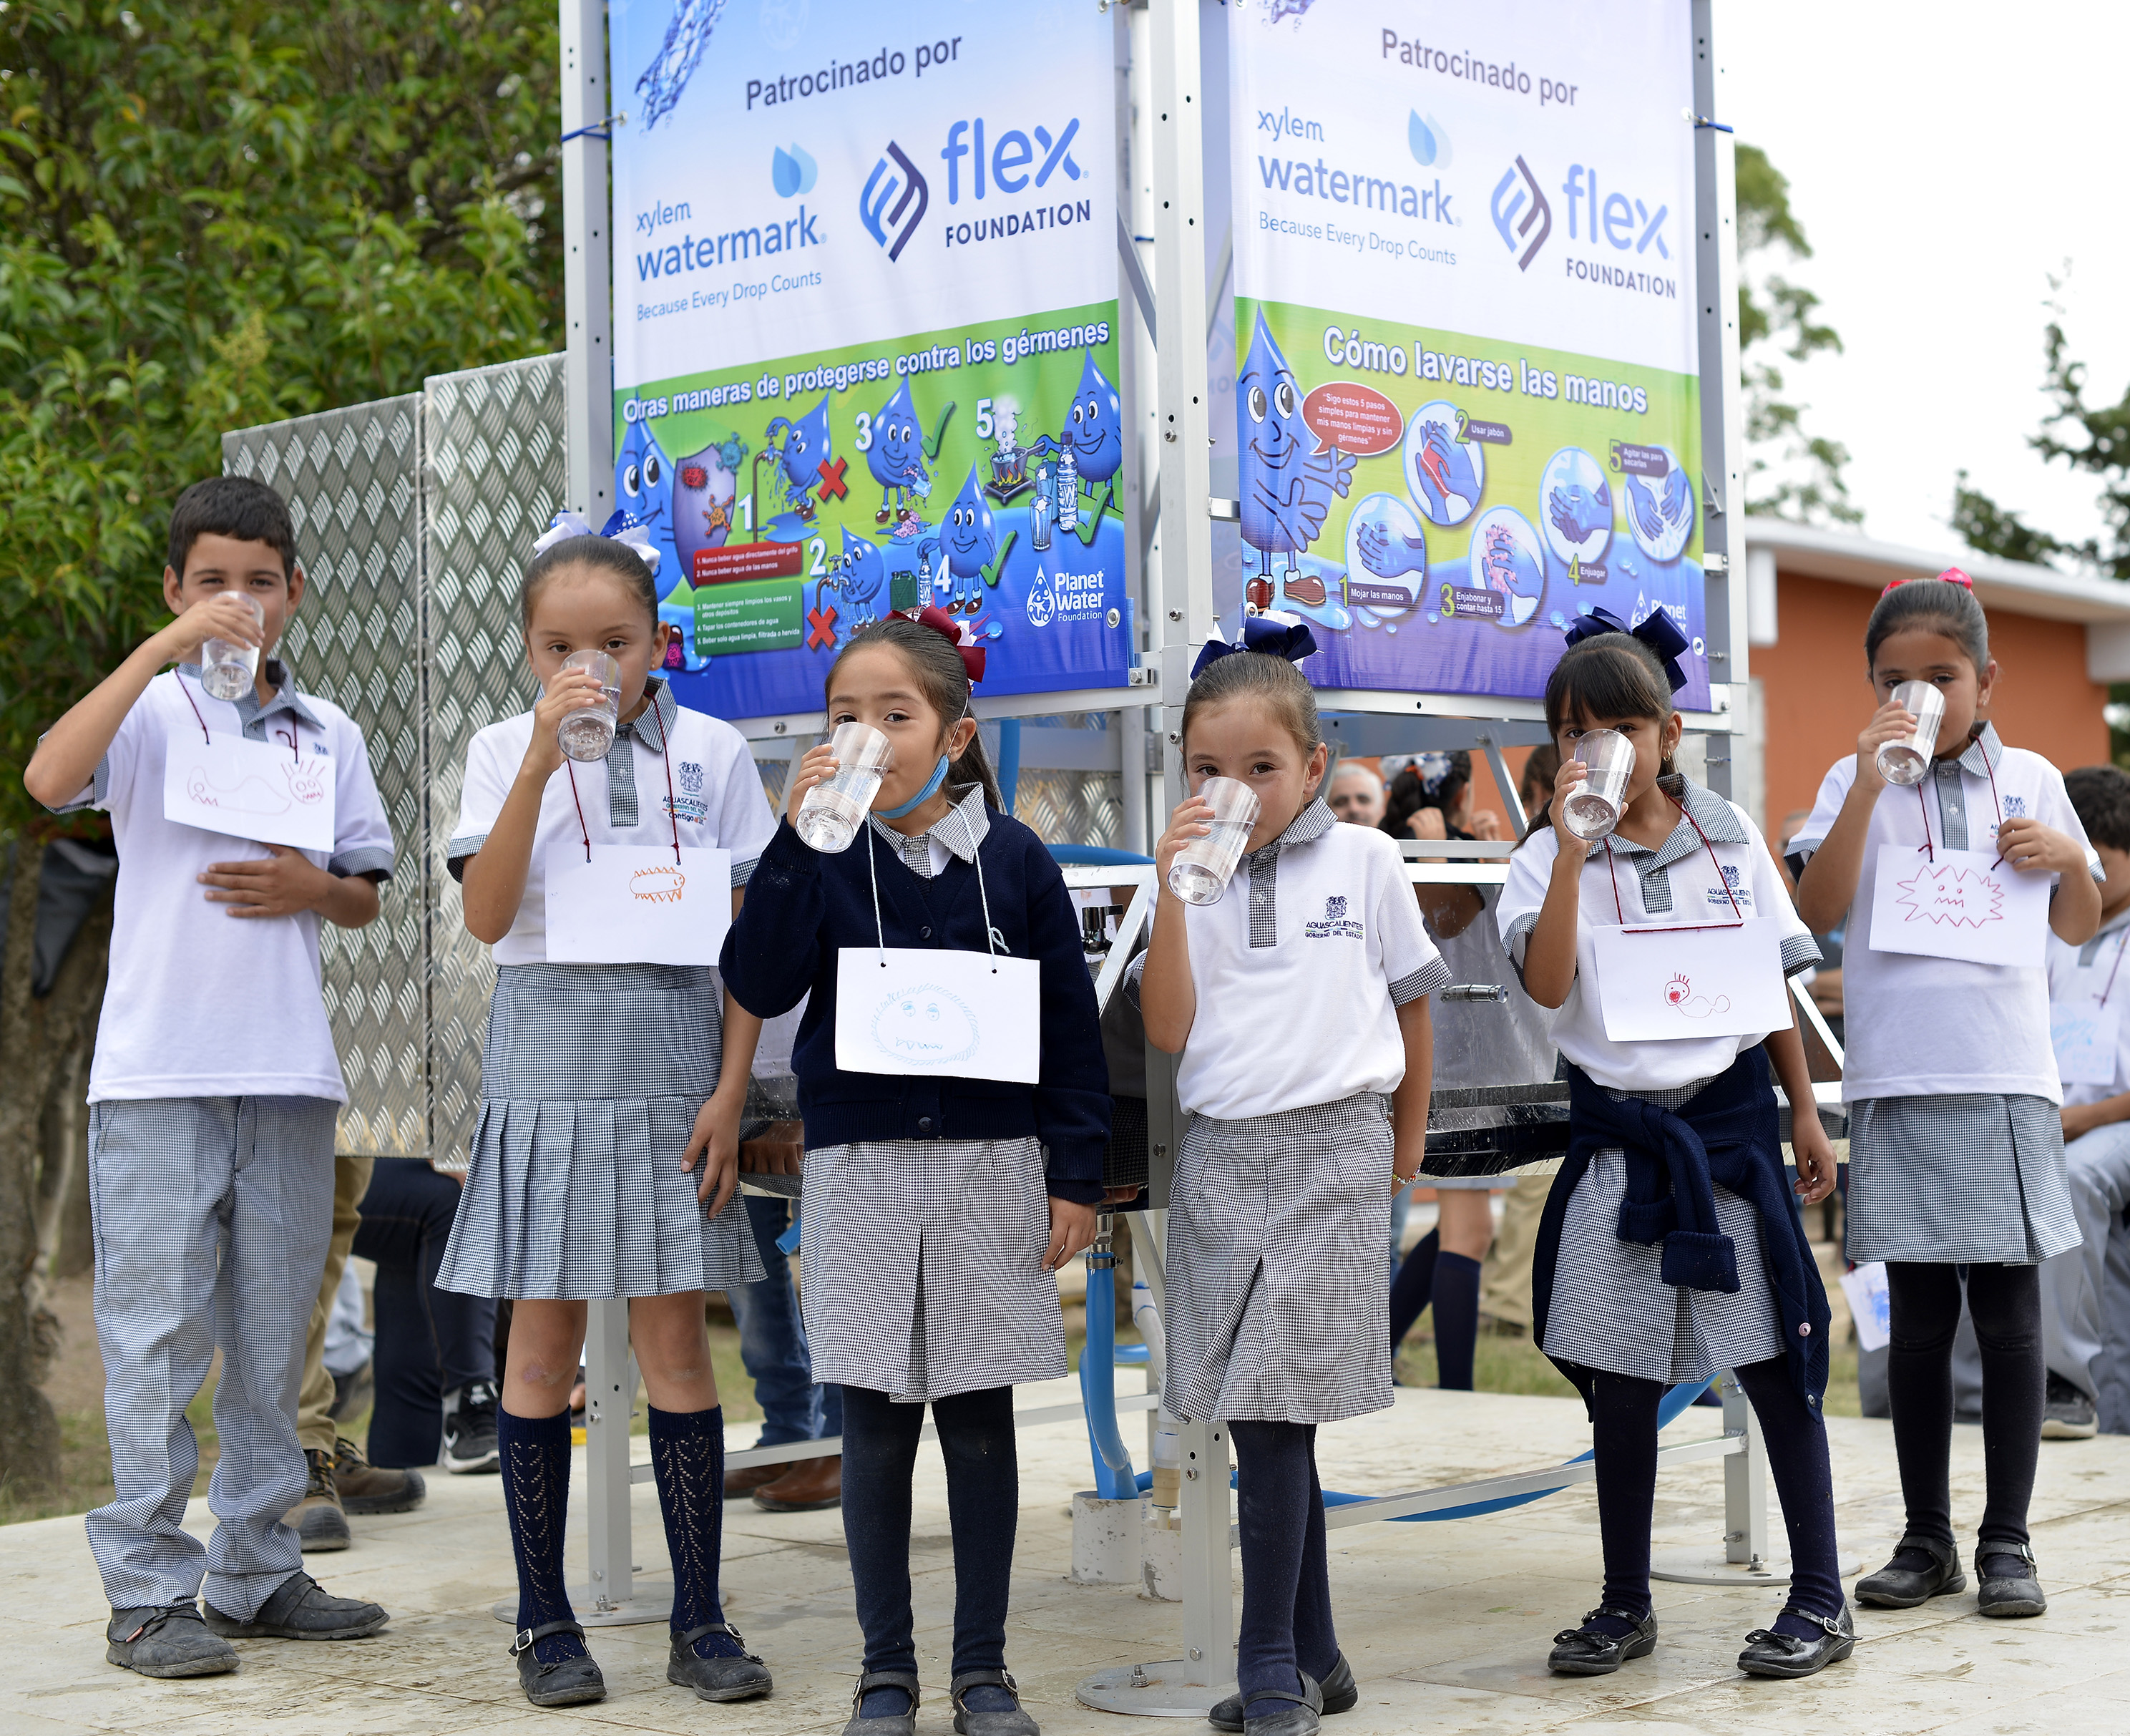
(896, 457)
(1287, 485)
(643, 489)
(857, 575)
(804, 451)
(971, 545)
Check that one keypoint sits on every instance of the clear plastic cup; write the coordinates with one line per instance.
(1202, 870)
(1593, 810)
(1904, 763)
(227, 669)
(833, 811)
(586, 734)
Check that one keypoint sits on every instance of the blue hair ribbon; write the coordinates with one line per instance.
(1274, 634)
(620, 527)
(1659, 632)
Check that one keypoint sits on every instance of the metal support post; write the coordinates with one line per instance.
(587, 288)
(1744, 1485)
(609, 1391)
(1209, 1625)
(1722, 409)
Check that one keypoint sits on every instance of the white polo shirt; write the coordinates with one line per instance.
(717, 801)
(1299, 973)
(2098, 971)
(1938, 1028)
(1685, 882)
(189, 983)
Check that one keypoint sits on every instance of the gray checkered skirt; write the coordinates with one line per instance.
(921, 1267)
(590, 1083)
(1971, 1177)
(1277, 1310)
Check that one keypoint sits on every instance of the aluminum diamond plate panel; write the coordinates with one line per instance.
(494, 474)
(351, 478)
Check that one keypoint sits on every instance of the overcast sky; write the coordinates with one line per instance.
(1944, 159)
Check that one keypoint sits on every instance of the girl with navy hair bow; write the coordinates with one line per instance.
(1671, 1247)
(1298, 1004)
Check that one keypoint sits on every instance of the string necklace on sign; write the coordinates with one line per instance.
(2109, 988)
(1930, 850)
(672, 806)
(993, 940)
(287, 735)
(1722, 880)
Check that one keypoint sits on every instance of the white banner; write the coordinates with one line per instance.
(809, 174)
(1521, 171)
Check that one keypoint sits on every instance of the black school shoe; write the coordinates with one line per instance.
(166, 1641)
(569, 1681)
(2006, 1592)
(742, 1677)
(301, 1608)
(1895, 1587)
(1769, 1653)
(1585, 1650)
(1341, 1694)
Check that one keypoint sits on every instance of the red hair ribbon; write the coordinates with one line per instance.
(1951, 575)
(955, 634)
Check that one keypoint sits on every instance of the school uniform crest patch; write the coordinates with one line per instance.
(1336, 925)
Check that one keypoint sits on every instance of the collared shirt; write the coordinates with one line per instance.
(2083, 976)
(1926, 1027)
(182, 967)
(1683, 881)
(717, 801)
(964, 826)
(1299, 972)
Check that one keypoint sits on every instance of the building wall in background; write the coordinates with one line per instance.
(1817, 699)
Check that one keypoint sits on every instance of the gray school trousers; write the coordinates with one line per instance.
(211, 1217)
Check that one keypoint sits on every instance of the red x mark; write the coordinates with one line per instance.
(821, 627)
(832, 479)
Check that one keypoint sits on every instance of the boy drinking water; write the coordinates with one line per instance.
(215, 1086)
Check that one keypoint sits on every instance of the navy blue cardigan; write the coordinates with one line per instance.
(803, 907)
(1729, 1133)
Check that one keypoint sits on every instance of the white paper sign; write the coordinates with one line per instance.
(1713, 980)
(2085, 1034)
(1964, 905)
(632, 904)
(1870, 1305)
(970, 1016)
(247, 789)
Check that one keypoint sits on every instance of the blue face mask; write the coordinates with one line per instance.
(923, 796)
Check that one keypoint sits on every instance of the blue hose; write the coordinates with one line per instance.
(1114, 1481)
(1668, 1410)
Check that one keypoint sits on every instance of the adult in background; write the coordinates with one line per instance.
(1356, 793)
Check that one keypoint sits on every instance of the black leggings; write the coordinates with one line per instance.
(983, 1507)
(2006, 1303)
(1623, 1414)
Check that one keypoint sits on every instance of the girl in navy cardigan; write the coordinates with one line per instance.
(937, 1210)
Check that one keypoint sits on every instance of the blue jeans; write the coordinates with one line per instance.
(772, 1341)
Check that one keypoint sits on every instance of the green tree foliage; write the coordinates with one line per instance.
(2095, 438)
(1789, 473)
(217, 214)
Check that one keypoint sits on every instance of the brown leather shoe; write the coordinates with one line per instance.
(368, 1487)
(807, 1487)
(318, 1518)
(749, 1478)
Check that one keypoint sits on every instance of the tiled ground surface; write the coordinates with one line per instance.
(1447, 1625)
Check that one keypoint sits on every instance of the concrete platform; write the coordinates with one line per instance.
(1447, 1625)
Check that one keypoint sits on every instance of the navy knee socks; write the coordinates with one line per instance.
(688, 1458)
(1450, 1283)
(1287, 1587)
(1456, 1298)
(535, 1453)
